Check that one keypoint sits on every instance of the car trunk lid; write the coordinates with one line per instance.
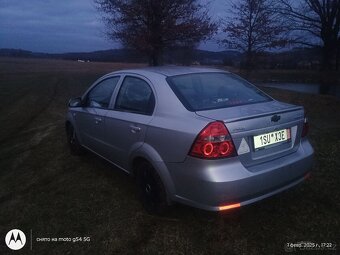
(270, 118)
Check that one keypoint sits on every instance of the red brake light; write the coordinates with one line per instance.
(213, 142)
(305, 127)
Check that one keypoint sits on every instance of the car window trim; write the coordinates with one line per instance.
(95, 84)
(120, 87)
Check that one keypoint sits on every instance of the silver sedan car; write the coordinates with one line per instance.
(202, 137)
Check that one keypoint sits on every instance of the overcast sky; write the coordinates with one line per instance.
(57, 26)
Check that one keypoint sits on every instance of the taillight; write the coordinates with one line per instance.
(213, 142)
(305, 127)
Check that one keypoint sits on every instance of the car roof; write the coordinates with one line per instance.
(170, 70)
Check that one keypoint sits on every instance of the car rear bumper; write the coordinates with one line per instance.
(211, 184)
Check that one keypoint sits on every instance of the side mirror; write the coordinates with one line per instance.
(75, 102)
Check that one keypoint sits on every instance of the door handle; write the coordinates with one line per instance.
(98, 120)
(135, 129)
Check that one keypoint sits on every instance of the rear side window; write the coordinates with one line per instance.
(100, 95)
(204, 91)
(135, 96)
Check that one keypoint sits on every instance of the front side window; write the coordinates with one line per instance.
(100, 95)
(205, 91)
(135, 96)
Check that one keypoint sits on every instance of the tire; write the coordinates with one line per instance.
(151, 189)
(73, 142)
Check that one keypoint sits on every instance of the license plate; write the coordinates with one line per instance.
(264, 140)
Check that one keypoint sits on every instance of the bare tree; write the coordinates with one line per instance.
(317, 23)
(253, 26)
(151, 26)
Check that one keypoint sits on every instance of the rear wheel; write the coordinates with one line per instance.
(150, 189)
(72, 140)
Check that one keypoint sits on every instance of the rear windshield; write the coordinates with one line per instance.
(204, 91)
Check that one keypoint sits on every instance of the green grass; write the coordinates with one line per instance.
(44, 188)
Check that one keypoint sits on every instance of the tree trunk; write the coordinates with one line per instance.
(337, 60)
(328, 50)
(155, 57)
(249, 60)
(153, 60)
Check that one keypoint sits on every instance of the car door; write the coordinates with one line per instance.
(127, 123)
(90, 119)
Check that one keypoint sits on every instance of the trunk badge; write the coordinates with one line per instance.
(275, 118)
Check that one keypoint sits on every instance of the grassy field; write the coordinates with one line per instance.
(45, 190)
(299, 76)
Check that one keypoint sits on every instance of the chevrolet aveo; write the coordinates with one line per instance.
(201, 137)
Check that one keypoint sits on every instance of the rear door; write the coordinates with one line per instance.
(90, 119)
(126, 124)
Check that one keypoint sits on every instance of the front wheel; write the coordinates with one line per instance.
(72, 140)
(151, 190)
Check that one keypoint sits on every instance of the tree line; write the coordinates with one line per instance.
(250, 26)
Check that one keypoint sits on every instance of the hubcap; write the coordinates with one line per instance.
(148, 188)
(72, 137)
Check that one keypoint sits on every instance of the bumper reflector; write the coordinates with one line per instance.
(307, 176)
(227, 207)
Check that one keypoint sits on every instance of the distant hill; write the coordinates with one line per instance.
(126, 55)
(15, 53)
(297, 58)
(115, 55)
